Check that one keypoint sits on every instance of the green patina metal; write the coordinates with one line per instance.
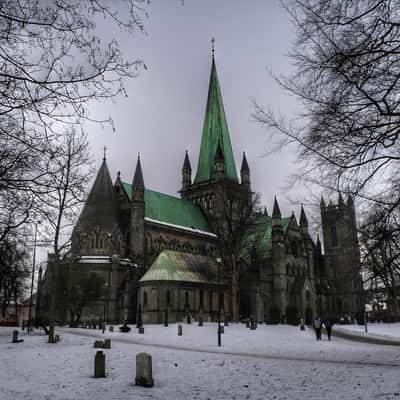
(172, 210)
(259, 236)
(182, 267)
(215, 129)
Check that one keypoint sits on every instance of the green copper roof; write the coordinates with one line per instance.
(182, 267)
(260, 236)
(215, 129)
(171, 210)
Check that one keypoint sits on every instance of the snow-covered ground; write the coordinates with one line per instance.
(379, 330)
(281, 362)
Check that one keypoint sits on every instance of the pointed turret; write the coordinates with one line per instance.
(215, 130)
(101, 201)
(138, 183)
(276, 213)
(186, 172)
(341, 201)
(137, 214)
(303, 221)
(245, 171)
(318, 246)
(322, 203)
(265, 211)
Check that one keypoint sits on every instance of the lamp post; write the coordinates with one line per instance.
(219, 261)
(33, 278)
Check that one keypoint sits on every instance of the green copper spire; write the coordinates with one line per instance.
(215, 129)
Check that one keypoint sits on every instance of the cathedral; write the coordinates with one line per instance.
(134, 248)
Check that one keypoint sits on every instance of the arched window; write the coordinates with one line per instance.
(145, 298)
(334, 236)
(186, 299)
(168, 298)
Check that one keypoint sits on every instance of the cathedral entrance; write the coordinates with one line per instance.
(309, 316)
(245, 305)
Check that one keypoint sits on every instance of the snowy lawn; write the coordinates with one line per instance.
(36, 370)
(379, 330)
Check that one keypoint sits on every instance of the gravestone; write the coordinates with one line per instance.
(107, 344)
(23, 324)
(56, 338)
(247, 323)
(179, 330)
(144, 370)
(51, 334)
(302, 327)
(200, 321)
(111, 328)
(226, 322)
(189, 319)
(98, 344)
(141, 330)
(221, 329)
(166, 317)
(15, 337)
(100, 365)
(253, 326)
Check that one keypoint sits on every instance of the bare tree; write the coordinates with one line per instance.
(347, 78)
(237, 217)
(380, 245)
(14, 270)
(54, 63)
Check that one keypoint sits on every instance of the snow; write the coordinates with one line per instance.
(273, 362)
(378, 330)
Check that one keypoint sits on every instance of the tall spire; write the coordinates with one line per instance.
(186, 172)
(245, 171)
(215, 129)
(303, 218)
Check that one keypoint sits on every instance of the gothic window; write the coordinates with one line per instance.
(145, 298)
(101, 243)
(186, 299)
(334, 236)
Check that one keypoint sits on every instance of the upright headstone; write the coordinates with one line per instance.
(139, 321)
(141, 330)
(15, 336)
(200, 320)
(247, 323)
(302, 327)
(107, 343)
(100, 365)
(144, 370)
(111, 328)
(98, 344)
(51, 334)
(221, 328)
(23, 324)
(226, 322)
(179, 330)
(189, 318)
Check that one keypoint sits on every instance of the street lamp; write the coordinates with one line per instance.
(219, 262)
(33, 278)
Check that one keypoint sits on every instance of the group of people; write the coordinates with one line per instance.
(318, 323)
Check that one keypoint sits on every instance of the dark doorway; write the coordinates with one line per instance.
(309, 315)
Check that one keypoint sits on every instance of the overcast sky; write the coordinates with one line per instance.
(164, 111)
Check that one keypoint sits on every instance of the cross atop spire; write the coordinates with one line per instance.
(212, 46)
(105, 150)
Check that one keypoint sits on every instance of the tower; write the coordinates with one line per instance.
(137, 214)
(279, 285)
(93, 235)
(216, 182)
(342, 257)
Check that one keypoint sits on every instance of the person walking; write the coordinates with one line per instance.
(328, 326)
(317, 327)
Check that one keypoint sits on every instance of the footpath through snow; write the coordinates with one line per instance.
(36, 370)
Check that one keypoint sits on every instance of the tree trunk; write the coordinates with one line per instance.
(235, 293)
